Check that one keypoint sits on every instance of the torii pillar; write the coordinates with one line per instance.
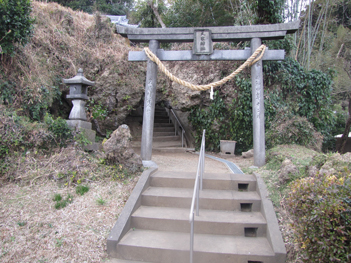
(259, 142)
(149, 105)
(255, 34)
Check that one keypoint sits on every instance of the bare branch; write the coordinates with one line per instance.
(337, 56)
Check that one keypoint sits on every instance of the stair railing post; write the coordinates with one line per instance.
(182, 138)
(192, 239)
(197, 199)
(196, 194)
(202, 160)
(176, 128)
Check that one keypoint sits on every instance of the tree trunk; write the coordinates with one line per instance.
(344, 137)
(154, 9)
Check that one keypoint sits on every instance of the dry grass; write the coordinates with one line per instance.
(32, 230)
(67, 166)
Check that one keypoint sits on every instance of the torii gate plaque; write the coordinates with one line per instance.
(202, 50)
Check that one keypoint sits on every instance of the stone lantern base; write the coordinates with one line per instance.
(79, 124)
(86, 128)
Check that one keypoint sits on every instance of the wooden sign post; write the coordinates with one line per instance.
(203, 51)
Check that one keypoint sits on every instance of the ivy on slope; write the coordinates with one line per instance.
(305, 94)
(225, 122)
(289, 90)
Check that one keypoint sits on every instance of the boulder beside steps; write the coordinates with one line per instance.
(236, 221)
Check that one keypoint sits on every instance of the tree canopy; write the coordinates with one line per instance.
(15, 24)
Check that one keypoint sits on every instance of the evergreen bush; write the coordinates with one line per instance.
(59, 128)
(321, 209)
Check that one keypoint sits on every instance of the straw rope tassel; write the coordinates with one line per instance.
(256, 56)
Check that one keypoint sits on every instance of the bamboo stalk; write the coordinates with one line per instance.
(297, 51)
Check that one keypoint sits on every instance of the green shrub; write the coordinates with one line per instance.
(38, 100)
(62, 133)
(15, 24)
(17, 133)
(57, 198)
(81, 139)
(97, 110)
(82, 189)
(59, 203)
(321, 209)
(100, 201)
(7, 92)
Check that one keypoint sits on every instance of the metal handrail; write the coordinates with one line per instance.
(196, 193)
(183, 130)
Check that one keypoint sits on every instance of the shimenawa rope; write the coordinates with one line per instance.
(256, 56)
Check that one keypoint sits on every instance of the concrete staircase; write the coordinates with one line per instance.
(236, 223)
(164, 136)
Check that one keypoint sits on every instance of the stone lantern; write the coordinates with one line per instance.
(78, 92)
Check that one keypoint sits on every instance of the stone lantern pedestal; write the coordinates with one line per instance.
(78, 92)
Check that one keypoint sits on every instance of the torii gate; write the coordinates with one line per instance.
(203, 50)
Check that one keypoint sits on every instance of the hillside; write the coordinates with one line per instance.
(63, 42)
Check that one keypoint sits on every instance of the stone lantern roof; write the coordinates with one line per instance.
(78, 86)
(79, 79)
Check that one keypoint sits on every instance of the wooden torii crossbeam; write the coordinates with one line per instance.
(203, 51)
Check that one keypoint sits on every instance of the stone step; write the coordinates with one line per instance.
(162, 138)
(213, 222)
(173, 247)
(160, 109)
(161, 120)
(171, 133)
(163, 124)
(166, 138)
(164, 129)
(156, 145)
(161, 114)
(237, 182)
(209, 199)
(177, 149)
